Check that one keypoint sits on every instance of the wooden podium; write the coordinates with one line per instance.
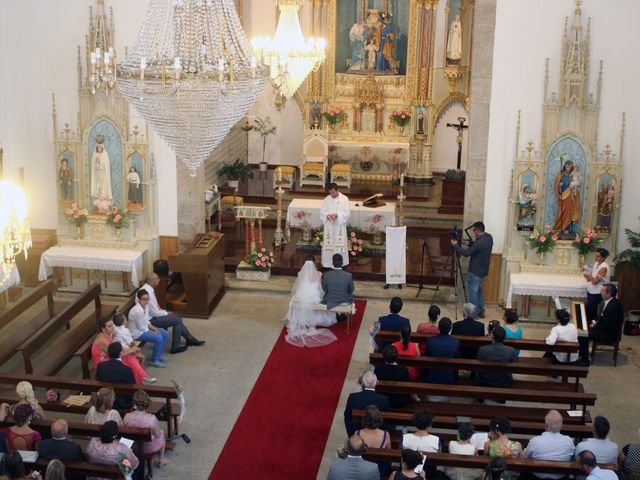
(202, 269)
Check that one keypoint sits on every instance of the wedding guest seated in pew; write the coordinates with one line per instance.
(551, 445)
(374, 436)
(20, 436)
(141, 418)
(422, 440)
(360, 400)
(495, 469)
(409, 460)
(15, 469)
(590, 469)
(55, 471)
(102, 408)
(114, 371)
(511, 327)
(406, 348)
(499, 444)
(463, 446)
(391, 371)
(123, 335)
(394, 321)
(496, 351)
(107, 450)
(353, 466)
(142, 329)
(442, 345)
(99, 354)
(604, 449)
(563, 331)
(468, 326)
(431, 326)
(59, 446)
(26, 396)
(629, 461)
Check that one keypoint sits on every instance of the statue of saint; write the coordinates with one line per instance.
(357, 36)
(135, 188)
(568, 195)
(606, 198)
(101, 174)
(371, 49)
(65, 177)
(420, 123)
(527, 208)
(454, 42)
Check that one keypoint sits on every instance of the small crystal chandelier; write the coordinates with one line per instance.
(290, 57)
(192, 74)
(103, 58)
(15, 233)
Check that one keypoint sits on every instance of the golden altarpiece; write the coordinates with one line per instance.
(385, 56)
(104, 162)
(567, 160)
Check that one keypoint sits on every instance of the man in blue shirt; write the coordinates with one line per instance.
(551, 445)
(393, 321)
(590, 469)
(604, 449)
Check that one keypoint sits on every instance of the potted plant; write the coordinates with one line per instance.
(628, 271)
(77, 216)
(400, 119)
(257, 266)
(118, 218)
(586, 242)
(452, 200)
(235, 172)
(543, 242)
(264, 128)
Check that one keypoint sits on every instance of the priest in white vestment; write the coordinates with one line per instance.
(335, 213)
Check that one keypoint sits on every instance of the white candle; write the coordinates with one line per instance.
(94, 59)
(177, 67)
(280, 175)
(402, 180)
(143, 65)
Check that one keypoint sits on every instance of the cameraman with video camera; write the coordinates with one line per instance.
(480, 253)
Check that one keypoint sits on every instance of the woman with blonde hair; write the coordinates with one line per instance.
(55, 470)
(102, 408)
(142, 419)
(26, 396)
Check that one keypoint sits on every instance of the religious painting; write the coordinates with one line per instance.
(135, 195)
(527, 202)
(65, 176)
(453, 31)
(565, 186)
(105, 166)
(371, 36)
(606, 201)
(421, 120)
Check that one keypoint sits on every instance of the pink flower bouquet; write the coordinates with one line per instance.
(543, 241)
(401, 117)
(76, 215)
(118, 217)
(587, 241)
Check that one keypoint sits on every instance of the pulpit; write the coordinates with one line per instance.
(202, 269)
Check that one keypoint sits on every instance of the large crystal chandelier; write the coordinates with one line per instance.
(191, 74)
(15, 233)
(290, 57)
(102, 75)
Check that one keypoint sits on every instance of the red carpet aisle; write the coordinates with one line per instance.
(283, 428)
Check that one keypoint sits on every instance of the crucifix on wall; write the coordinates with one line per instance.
(460, 127)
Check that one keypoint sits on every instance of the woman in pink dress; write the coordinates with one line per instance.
(107, 450)
(99, 353)
(140, 418)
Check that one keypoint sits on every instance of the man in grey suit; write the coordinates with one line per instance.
(354, 467)
(337, 285)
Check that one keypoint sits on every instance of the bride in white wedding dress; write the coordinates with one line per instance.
(301, 320)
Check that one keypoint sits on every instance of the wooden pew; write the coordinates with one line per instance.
(534, 368)
(81, 469)
(167, 394)
(480, 461)
(492, 393)
(9, 343)
(66, 347)
(477, 342)
(577, 432)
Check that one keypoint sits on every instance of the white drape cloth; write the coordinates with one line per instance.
(551, 285)
(301, 320)
(335, 238)
(396, 255)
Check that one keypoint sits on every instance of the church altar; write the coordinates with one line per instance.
(549, 285)
(101, 259)
(303, 211)
(371, 160)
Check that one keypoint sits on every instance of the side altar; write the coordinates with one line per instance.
(105, 179)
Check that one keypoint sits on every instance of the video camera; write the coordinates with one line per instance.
(455, 234)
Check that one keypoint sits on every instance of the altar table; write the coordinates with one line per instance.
(303, 210)
(86, 258)
(550, 285)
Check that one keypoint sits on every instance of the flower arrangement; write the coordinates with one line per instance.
(125, 465)
(76, 215)
(543, 242)
(118, 217)
(355, 248)
(401, 117)
(455, 174)
(260, 259)
(586, 242)
(333, 115)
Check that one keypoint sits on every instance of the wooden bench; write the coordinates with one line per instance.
(537, 367)
(167, 394)
(9, 343)
(65, 349)
(81, 469)
(343, 308)
(576, 431)
(478, 341)
(492, 393)
(481, 461)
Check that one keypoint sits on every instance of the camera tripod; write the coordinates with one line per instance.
(453, 262)
(425, 253)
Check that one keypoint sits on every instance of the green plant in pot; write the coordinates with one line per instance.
(455, 174)
(264, 128)
(235, 172)
(631, 256)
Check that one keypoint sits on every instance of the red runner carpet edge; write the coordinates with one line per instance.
(283, 427)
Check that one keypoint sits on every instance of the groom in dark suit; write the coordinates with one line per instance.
(607, 327)
(337, 285)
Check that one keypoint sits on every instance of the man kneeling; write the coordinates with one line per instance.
(338, 286)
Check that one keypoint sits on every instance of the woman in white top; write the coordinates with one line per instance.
(463, 446)
(422, 440)
(600, 274)
(102, 408)
(564, 331)
(301, 319)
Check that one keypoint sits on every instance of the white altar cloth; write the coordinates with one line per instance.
(363, 218)
(551, 285)
(85, 258)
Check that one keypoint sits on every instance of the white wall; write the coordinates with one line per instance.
(528, 31)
